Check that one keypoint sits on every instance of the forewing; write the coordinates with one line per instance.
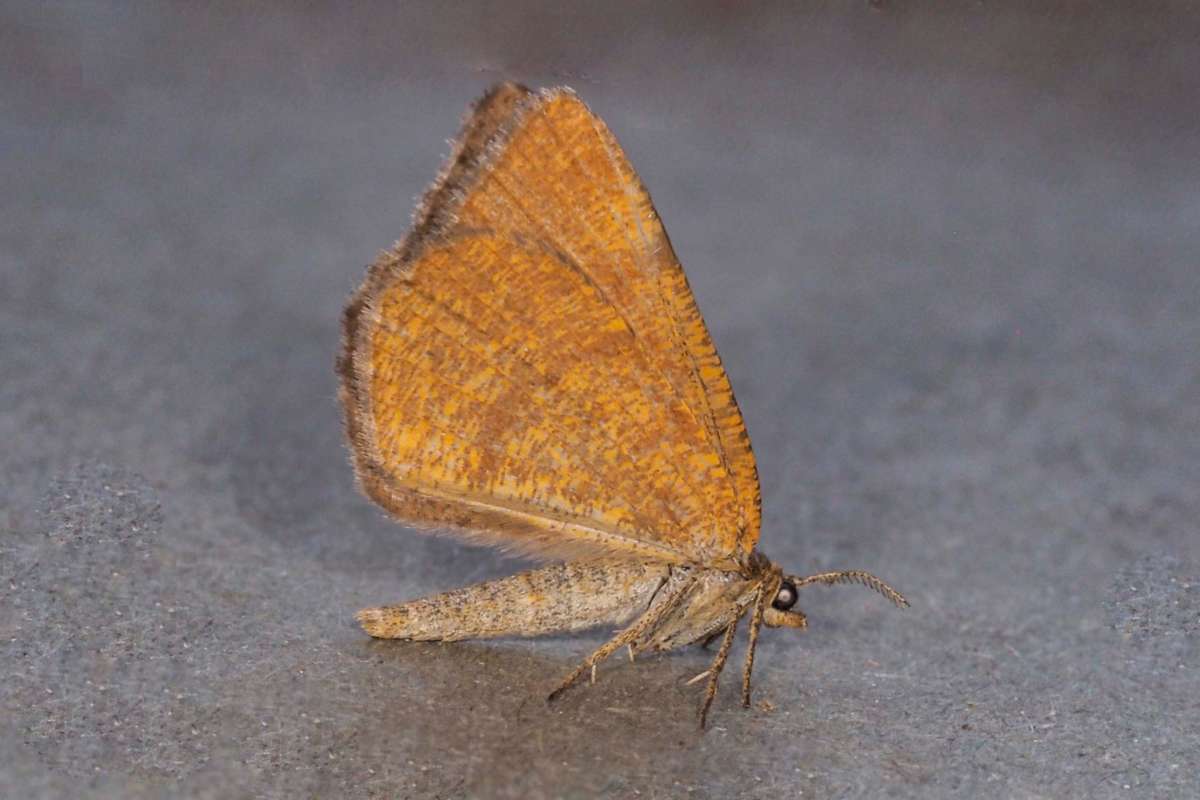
(529, 366)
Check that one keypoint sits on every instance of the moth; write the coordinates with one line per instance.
(528, 368)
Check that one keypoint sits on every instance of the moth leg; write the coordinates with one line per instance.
(756, 621)
(653, 616)
(714, 672)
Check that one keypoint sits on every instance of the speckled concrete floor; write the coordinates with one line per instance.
(951, 261)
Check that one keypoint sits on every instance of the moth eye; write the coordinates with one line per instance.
(785, 598)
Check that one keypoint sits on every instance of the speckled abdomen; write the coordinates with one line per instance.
(560, 597)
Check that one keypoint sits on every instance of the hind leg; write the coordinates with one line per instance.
(664, 603)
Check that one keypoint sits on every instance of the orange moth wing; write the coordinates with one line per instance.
(528, 367)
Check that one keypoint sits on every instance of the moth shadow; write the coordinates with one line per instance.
(508, 681)
(482, 706)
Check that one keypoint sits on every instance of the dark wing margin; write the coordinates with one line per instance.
(487, 121)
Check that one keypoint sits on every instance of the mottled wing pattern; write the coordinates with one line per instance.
(529, 367)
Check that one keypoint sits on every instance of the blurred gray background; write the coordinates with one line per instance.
(951, 259)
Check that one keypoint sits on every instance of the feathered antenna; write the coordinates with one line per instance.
(852, 576)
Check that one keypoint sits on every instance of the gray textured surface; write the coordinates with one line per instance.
(951, 261)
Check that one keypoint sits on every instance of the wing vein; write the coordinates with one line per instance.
(627, 187)
(572, 263)
(704, 424)
(597, 534)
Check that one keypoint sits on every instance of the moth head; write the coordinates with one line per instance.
(780, 613)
